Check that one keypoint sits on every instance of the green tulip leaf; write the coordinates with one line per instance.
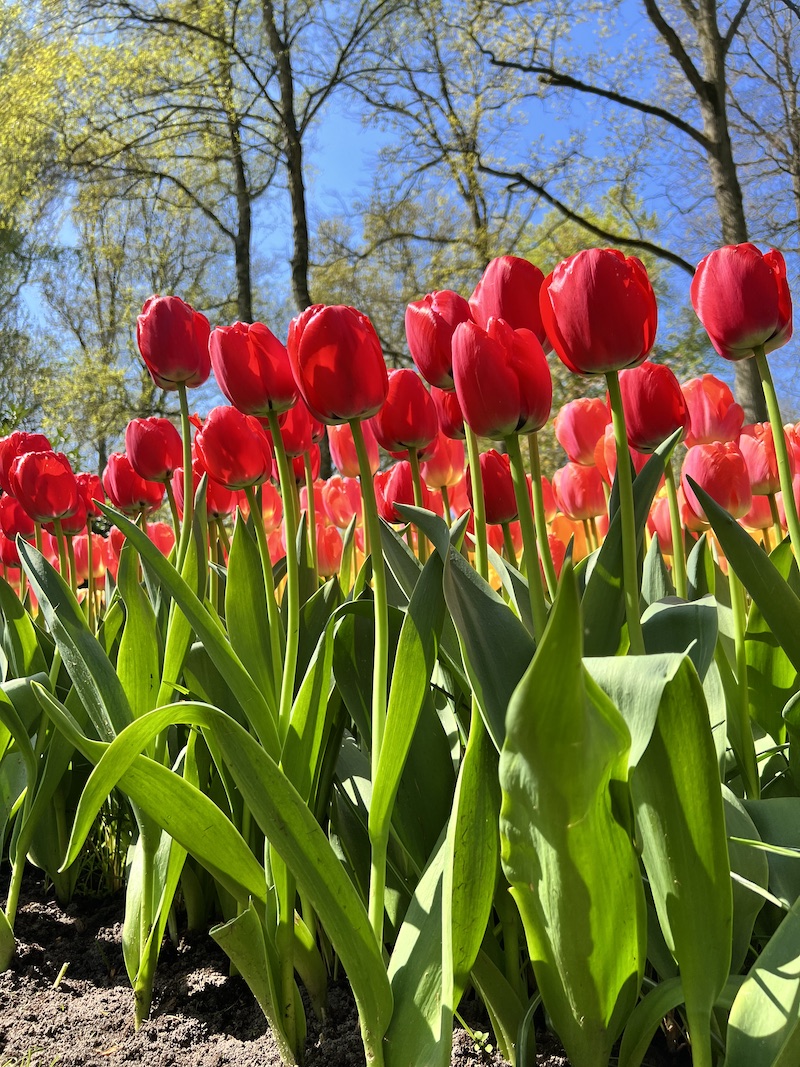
(572, 866)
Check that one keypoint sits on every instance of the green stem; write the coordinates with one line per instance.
(379, 835)
(288, 489)
(531, 554)
(777, 526)
(416, 481)
(312, 510)
(188, 479)
(630, 576)
(540, 517)
(508, 544)
(591, 540)
(173, 510)
(445, 505)
(478, 504)
(90, 581)
(781, 452)
(676, 526)
(62, 551)
(223, 535)
(747, 755)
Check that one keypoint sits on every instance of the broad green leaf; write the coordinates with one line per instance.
(573, 869)
(301, 748)
(420, 1031)
(21, 642)
(764, 1023)
(777, 821)
(750, 864)
(771, 678)
(208, 631)
(677, 626)
(247, 945)
(89, 667)
(416, 653)
(515, 586)
(656, 582)
(246, 609)
(701, 570)
(138, 663)
(646, 1018)
(314, 616)
(778, 604)
(680, 819)
(506, 1010)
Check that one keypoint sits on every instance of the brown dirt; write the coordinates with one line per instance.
(201, 1016)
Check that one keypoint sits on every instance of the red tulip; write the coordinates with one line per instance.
(9, 554)
(713, 413)
(742, 299)
(498, 488)
(341, 499)
(599, 311)
(14, 445)
(429, 330)
(759, 517)
(579, 491)
(162, 535)
(448, 411)
(578, 427)
(407, 418)
(173, 341)
(271, 507)
(395, 486)
(721, 471)
(654, 405)
(329, 550)
(74, 522)
(154, 448)
(297, 427)
(337, 363)
(127, 490)
(658, 522)
(252, 368)
(44, 485)
(502, 379)
(343, 449)
(14, 519)
(80, 547)
(444, 465)
(758, 448)
(509, 289)
(605, 456)
(319, 504)
(234, 449)
(91, 489)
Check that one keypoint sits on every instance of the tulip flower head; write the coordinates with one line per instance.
(654, 405)
(742, 298)
(429, 330)
(713, 413)
(173, 341)
(509, 290)
(252, 368)
(599, 311)
(578, 427)
(719, 469)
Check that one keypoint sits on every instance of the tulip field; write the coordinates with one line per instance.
(437, 723)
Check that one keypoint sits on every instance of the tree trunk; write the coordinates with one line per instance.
(241, 243)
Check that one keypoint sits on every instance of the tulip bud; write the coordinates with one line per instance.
(578, 427)
(654, 405)
(713, 413)
(721, 471)
(407, 418)
(509, 289)
(429, 330)
(498, 487)
(742, 299)
(252, 368)
(173, 341)
(343, 449)
(234, 449)
(579, 491)
(127, 490)
(154, 448)
(44, 484)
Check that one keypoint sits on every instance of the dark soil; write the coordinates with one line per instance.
(201, 1016)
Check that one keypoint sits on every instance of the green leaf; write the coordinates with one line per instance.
(778, 604)
(7, 943)
(646, 1018)
(680, 818)
(138, 664)
(777, 821)
(750, 864)
(506, 1010)
(246, 609)
(416, 652)
(656, 582)
(21, 643)
(301, 748)
(677, 626)
(771, 678)
(89, 667)
(573, 869)
(764, 1023)
(246, 943)
(208, 631)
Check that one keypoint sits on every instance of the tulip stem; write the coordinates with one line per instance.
(630, 576)
(292, 573)
(188, 479)
(540, 517)
(63, 563)
(676, 526)
(478, 503)
(90, 615)
(776, 518)
(311, 506)
(445, 505)
(781, 452)
(531, 554)
(508, 545)
(173, 510)
(416, 481)
(380, 671)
